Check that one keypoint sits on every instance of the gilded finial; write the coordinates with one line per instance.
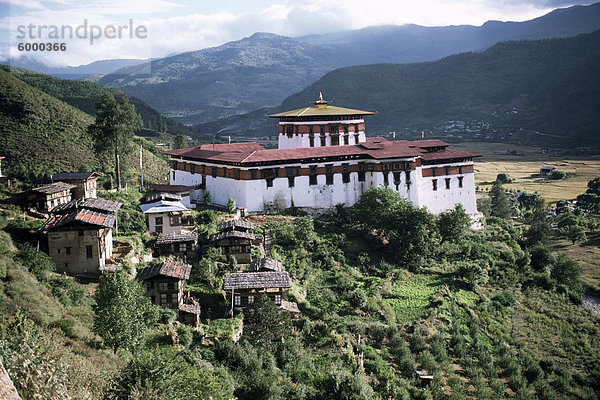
(321, 103)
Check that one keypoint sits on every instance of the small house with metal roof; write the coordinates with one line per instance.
(244, 287)
(45, 198)
(183, 245)
(165, 216)
(165, 282)
(80, 241)
(85, 183)
(236, 243)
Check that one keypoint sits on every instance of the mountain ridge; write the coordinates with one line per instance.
(262, 70)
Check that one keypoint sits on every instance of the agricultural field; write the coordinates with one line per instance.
(523, 164)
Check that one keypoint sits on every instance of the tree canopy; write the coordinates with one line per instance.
(122, 312)
(114, 127)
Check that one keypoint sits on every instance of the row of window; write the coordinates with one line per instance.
(238, 300)
(446, 171)
(447, 180)
(313, 177)
(291, 130)
(162, 286)
(88, 251)
(289, 171)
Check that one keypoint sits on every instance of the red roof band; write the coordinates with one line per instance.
(374, 148)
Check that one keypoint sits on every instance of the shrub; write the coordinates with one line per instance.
(37, 262)
(503, 178)
(556, 175)
(185, 334)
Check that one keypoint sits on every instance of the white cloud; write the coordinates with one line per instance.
(180, 25)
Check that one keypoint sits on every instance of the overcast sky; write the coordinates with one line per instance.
(165, 27)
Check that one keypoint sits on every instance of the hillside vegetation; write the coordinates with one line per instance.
(41, 135)
(39, 132)
(385, 289)
(84, 95)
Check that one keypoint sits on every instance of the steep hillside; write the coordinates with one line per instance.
(551, 87)
(84, 94)
(39, 133)
(261, 70)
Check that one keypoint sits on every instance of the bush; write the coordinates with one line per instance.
(37, 263)
(504, 299)
(185, 334)
(556, 175)
(67, 291)
(503, 178)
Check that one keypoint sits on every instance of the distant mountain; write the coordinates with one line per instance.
(263, 69)
(84, 95)
(545, 91)
(414, 43)
(100, 67)
(234, 78)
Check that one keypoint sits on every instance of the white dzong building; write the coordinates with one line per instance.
(324, 158)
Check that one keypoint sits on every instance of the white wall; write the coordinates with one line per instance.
(255, 195)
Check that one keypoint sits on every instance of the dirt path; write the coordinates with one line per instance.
(593, 303)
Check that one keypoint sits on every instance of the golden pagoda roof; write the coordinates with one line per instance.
(320, 108)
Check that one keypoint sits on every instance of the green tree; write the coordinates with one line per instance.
(122, 312)
(264, 323)
(503, 178)
(113, 129)
(556, 174)
(501, 204)
(411, 233)
(541, 258)
(164, 373)
(593, 224)
(180, 142)
(568, 272)
(453, 224)
(231, 205)
(572, 227)
(531, 201)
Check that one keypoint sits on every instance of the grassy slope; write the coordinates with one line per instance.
(84, 94)
(39, 130)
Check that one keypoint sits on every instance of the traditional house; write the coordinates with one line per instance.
(92, 204)
(85, 183)
(164, 216)
(266, 264)
(80, 241)
(546, 171)
(165, 286)
(182, 191)
(238, 225)
(236, 244)
(183, 245)
(45, 198)
(324, 158)
(244, 287)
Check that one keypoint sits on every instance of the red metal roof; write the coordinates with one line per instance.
(79, 216)
(374, 148)
(220, 147)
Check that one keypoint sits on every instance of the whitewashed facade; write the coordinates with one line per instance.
(324, 159)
